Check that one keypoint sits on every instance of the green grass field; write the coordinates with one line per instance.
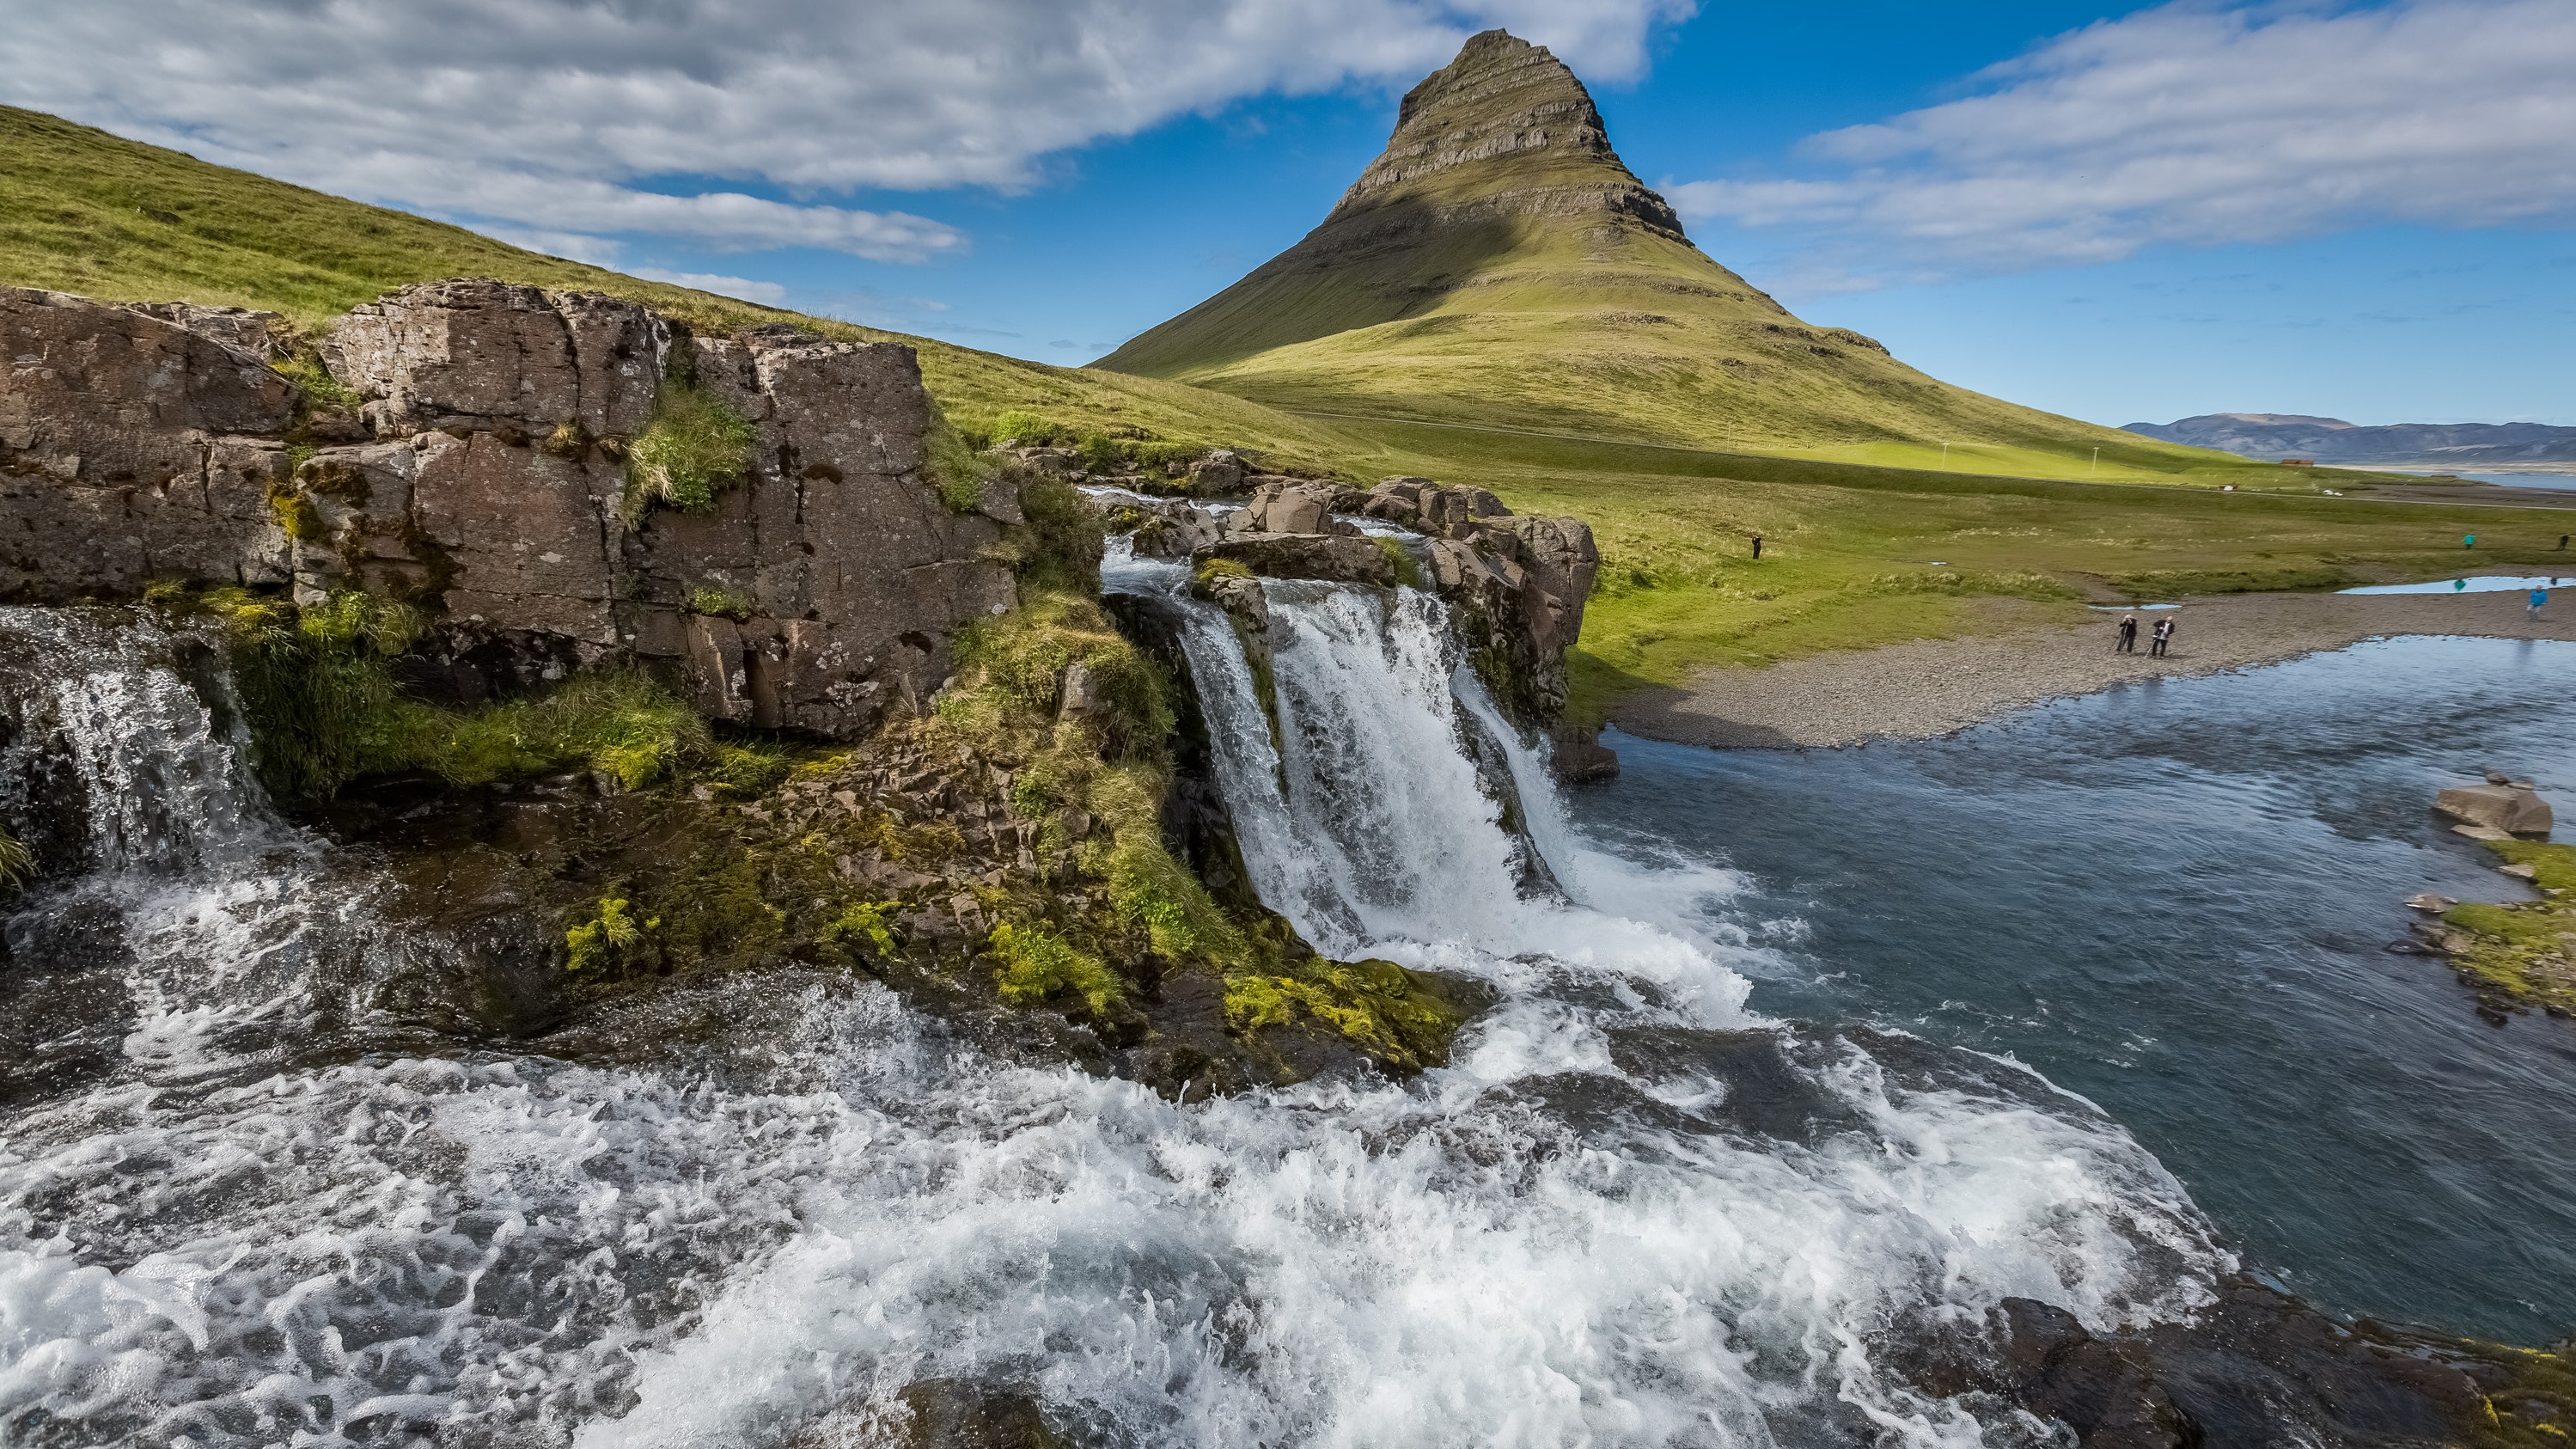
(1852, 529)
(1856, 555)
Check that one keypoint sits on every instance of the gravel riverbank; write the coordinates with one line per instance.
(1930, 687)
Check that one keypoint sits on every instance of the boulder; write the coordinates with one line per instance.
(1561, 562)
(1295, 506)
(1334, 558)
(474, 354)
(119, 462)
(1221, 471)
(2516, 809)
(1175, 530)
(239, 328)
(133, 448)
(103, 397)
(1240, 597)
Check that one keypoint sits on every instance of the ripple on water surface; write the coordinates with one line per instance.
(2175, 898)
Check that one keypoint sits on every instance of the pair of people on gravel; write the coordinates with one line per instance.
(2129, 636)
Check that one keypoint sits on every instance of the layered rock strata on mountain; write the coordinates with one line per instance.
(1503, 100)
(483, 478)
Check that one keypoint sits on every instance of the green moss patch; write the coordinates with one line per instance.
(1391, 1012)
(2524, 954)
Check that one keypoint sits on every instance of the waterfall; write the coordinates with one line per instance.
(1630, 1212)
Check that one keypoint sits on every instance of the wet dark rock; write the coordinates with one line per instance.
(2256, 1368)
(1765, 1094)
(1333, 559)
(1579, 758)
(958, 1414)
(64, 1005)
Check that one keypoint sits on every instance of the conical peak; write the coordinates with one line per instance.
(1495, 61)
(1508, 115)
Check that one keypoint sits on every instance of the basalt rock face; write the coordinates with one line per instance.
(1515, 585)
(486, 483)
(132, 448)
(1504, 106)
(482, 356)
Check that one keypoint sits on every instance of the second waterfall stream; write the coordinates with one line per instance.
(1629, 1211)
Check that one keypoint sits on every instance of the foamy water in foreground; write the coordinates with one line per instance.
(1629, 1212)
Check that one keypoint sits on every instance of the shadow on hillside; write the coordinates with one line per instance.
(1606, 696)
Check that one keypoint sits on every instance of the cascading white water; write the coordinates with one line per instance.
(1583, 1230)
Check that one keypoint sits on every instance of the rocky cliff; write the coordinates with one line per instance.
(479, 448)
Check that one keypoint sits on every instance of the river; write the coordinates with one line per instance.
(2174, 898)
(1739, 1108)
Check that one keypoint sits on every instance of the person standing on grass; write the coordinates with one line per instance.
(2164, 634)
(1757, 548)
(2128, 634)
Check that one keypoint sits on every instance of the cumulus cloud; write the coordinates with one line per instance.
(561, 115)
(2196, 125)
(768, 294)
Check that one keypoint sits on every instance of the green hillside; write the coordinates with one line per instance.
(1500, 265)
(84, 211)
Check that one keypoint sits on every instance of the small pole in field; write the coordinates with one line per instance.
(2097, 464)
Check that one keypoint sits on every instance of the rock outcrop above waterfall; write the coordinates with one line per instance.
(132, 448)
(485, 477)
(1515, 584)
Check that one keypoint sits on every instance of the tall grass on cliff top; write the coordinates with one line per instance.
(83, 211)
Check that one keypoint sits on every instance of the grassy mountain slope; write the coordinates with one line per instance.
(1499, 264)
(84, 211)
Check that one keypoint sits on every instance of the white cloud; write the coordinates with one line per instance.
(2196, 125)
(599, 251)
(556, 115)
(768, 294)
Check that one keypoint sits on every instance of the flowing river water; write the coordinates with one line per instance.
(1673, 1188)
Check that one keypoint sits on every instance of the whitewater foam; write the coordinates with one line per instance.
(1587, 1228)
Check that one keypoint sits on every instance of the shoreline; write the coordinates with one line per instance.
(1927, 688)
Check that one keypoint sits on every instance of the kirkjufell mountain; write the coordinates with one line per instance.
(1499, 264)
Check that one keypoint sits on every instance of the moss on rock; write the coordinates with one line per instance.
(2524, 954)
(1401, 1019)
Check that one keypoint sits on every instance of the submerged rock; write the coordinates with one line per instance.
(2256, 1367)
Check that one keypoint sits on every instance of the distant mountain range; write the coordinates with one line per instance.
(2332, 440)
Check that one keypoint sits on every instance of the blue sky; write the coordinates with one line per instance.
(2116, 212)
